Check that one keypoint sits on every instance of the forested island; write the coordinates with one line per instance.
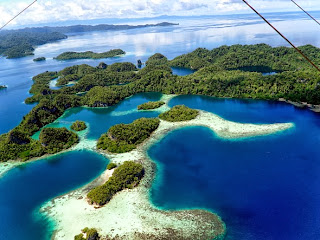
(89, 54)
(150, 105)
(127, 175)
(179, 113)
(125, 137)
(39, 59)
(227, 71)
(78, 126)
(2, 87)
(19, 146)
(21, 42)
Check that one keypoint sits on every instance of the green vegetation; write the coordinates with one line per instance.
(157, 59)
(111, 166)
(179, 113)
(260, 58)
(18, 145)
(222, 72)
(78, 126)
(125, 137)
(57, 139)
(91, 234)
(16, 44)
(150, 105)
(89, 54)
(39, 59)
(127, 175)
(2, 87)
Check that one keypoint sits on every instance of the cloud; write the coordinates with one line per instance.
(46, 11)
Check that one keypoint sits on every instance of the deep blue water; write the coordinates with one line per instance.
(263, 187)
(24, 189)
(242, 110)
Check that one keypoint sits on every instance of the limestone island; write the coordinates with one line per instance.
(39, 59)
(150, 105)
(78, 126)
(89, 54)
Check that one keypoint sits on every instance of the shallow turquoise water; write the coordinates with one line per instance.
(25, 188)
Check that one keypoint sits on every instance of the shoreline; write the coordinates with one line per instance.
(302, 105)
(5, 167)
(130, 212)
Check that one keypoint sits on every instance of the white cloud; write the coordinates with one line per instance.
(45, 11)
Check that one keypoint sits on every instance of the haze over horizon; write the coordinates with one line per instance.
(47, 11)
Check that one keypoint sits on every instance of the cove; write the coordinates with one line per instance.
(263, 187)
(25, 188)
(101, 119)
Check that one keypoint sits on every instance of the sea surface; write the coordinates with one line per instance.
(263, 187)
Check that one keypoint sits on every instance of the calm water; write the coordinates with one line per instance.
(193, 32)
(24, 189)
(101, 119)
(270, 184)
(263, 188)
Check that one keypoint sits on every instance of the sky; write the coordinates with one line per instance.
(48, 11)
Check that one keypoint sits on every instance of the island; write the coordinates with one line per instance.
(125, 137)
(179, 113)
(78, 126)
(150, 105)
(19, 146)
(2, 87)
(39, 59)
(227, 71)
(127, 175)
(21, 42)
(89, 54)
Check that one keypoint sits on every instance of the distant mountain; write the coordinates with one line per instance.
(90, 28)
(21, 42)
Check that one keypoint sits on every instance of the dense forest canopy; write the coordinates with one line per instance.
(227, 71)
(89, 54)
(179, 113)
(127, 175)
(125, 137)
(150, 105)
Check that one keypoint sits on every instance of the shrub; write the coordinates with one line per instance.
(111, 166)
